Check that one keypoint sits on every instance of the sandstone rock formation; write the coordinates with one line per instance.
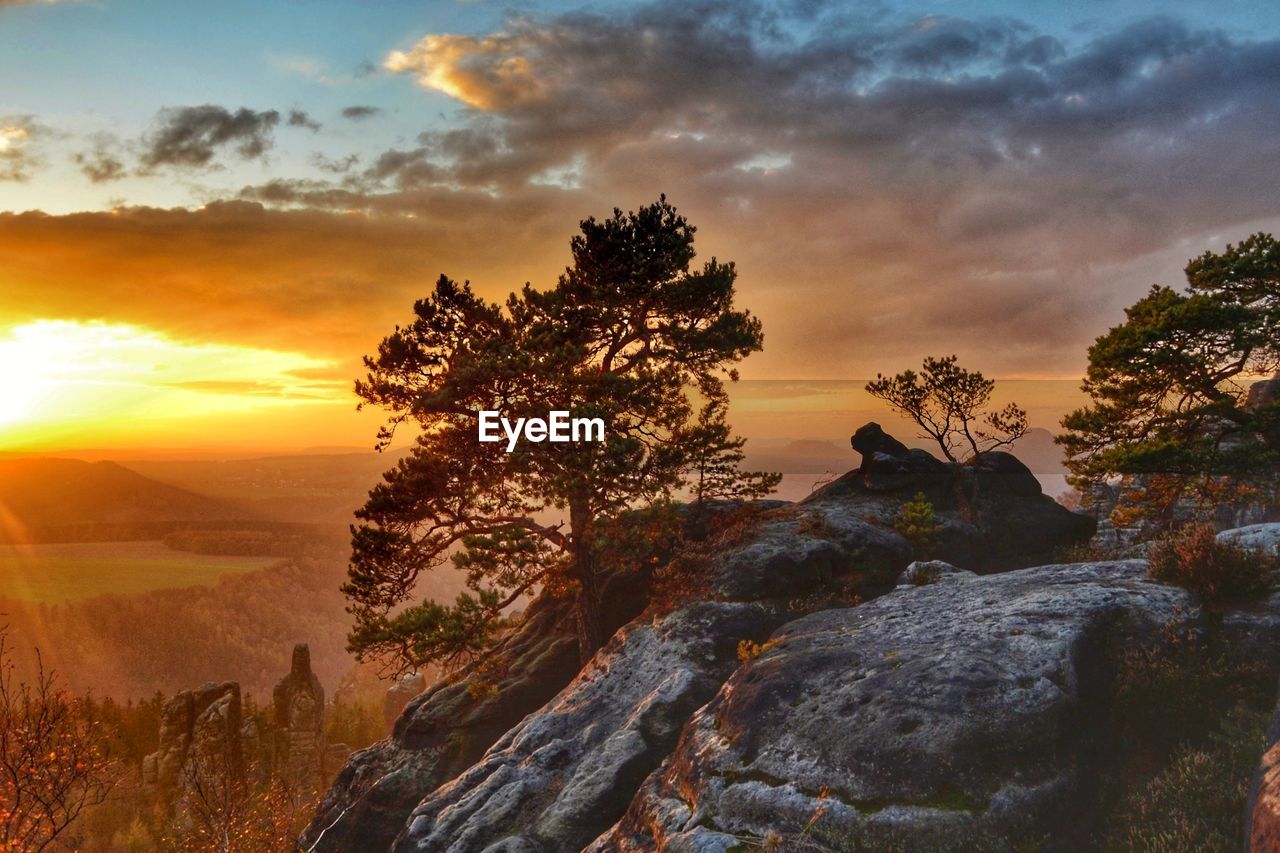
(298, 716)
(565, 773)
(449, 726)
(196, 723)
(400, 694)
(932, 718)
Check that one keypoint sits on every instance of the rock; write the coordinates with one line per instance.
(588, 750)
(993, 514)
(916, 469)
(1006, 473)
(447, 728)
(576, 757)
(566, 773)
(940, 717)
(399, 694)
(871, 438)
(298, 715)
(1261, 537)
(203, 721)
(1262, 813)
(925, 572)
(1264, 393)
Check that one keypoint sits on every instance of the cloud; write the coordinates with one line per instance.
(494, 72)
(192, 136)
(102, 163)
(360, 112)
(888, 186)
(933, 183)
(329, 285)
(17, 157)
(298, 118)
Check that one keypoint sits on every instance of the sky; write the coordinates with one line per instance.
(209, 212)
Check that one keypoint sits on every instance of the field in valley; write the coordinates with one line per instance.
(55, 573)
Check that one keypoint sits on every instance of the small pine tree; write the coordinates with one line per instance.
(917, 523)
(715, 469)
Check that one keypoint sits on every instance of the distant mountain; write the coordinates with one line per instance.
(47, 499)
(804, 456)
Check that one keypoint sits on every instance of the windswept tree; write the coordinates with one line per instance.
(631, 333)
(951, 407)
(1169, 386)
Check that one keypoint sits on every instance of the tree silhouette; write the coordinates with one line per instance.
(1169, 386)
(947, 402)
(631, 329)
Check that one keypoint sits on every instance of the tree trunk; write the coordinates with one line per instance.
(590, 631)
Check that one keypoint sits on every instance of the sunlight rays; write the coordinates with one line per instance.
(55, 372)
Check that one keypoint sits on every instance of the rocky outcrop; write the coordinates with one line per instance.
(1259, 537)
(298, 715)
(400, 694)
(560, 777)
(565, 773)
(194, 723)
(448, 727)
(932, 718)
(993, 513)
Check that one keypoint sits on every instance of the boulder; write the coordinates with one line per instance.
(940, 717)
(1005, 473)
(1260, 537)
(1264, 393)
(447, 728)
(925, 572)
(871, 438)
(993, 513)
(566, 773)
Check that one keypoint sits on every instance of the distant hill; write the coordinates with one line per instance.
(312, 488)
(47, 500)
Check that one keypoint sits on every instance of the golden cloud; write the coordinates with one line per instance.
(490, 73)
(325, 284)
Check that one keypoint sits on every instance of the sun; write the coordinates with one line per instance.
(94, 379)
(25, 360)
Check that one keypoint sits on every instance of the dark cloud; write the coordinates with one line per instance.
(972, 182)
(192, 136)
(298, 118)
(360, 112)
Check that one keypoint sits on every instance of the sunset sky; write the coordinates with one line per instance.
(211, 211)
